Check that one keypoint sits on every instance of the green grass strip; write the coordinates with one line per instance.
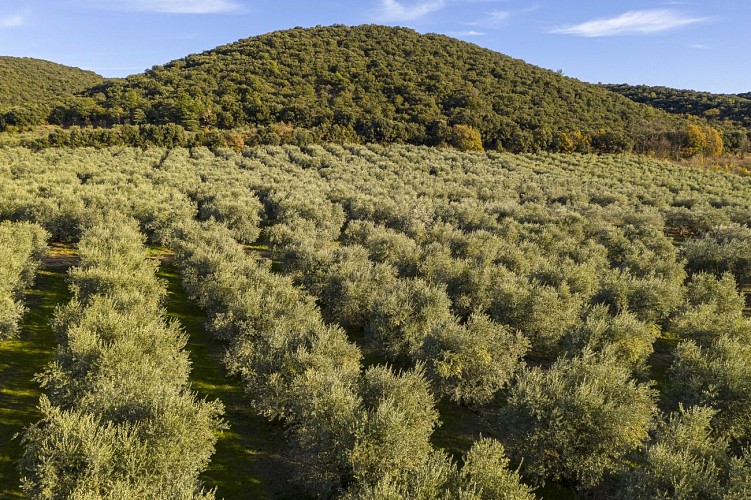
(20, 360)
(248, 462)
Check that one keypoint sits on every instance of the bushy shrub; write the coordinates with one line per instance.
(716, 375)
(470, 363)
(684, 460)
(239, 210)
(402, 316)
(623, 335)
(723, 249)
(578, 420)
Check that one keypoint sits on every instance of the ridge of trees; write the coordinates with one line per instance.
(364, 84)
(22, 247)
(729, 112)
(31, 88)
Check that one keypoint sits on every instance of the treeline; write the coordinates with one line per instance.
(694, 139)
(730, 113)
(22, 246)
(367, 84)
(120, 419)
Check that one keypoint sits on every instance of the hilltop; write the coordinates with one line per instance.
(371, 83)
(25, 81)
(31, 88)
(732, 112)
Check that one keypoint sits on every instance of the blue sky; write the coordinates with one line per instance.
(702, 45)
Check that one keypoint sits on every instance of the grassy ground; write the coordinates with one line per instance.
(248, 461)
(20, 360)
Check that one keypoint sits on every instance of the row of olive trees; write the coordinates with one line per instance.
(66, 191)
(22, 246)
(584, 421)
(120, 419)
(701, 448)
(361, 433)
(560, 258)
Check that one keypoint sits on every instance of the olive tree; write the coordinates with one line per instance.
(578, 420)
(684, 460)
(716, 375)
(470, 363)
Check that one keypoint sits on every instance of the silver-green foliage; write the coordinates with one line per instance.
(348, 431)
(717, 375)
(627, 338)
(578, 420)
(722, 249)
(22, 246)
(485, 475)
(685, 460)
(238, 209)
(471, 362)
(120, 417)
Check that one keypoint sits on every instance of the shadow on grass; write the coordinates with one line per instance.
(248, 462)
(20, 360)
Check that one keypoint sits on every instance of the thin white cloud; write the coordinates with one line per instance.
(500, 17)
(394, 11)
(12, 21)
(173, 6)
(461, 34)
(636, 22)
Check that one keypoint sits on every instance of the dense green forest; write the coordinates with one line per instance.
(420, 323)
(30, 88)
(383, 83)
(717, 109)
(362, 84)
(24, 81)
(735, 107)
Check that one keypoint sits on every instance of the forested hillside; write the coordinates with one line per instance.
(376, 84)
(24, 80)
(712, 107)
(36, 85)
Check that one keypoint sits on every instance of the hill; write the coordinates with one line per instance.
(716, 108)
(31, 88)
(25, 81)
(736, 107)
(374, 84)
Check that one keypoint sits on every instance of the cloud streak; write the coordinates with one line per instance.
(174, 6)
(12, 21)
(462, 34)
(499, 18)
(394, 11)
(636, 22)
(492, 19)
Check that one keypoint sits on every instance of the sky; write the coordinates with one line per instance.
(700, 45)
